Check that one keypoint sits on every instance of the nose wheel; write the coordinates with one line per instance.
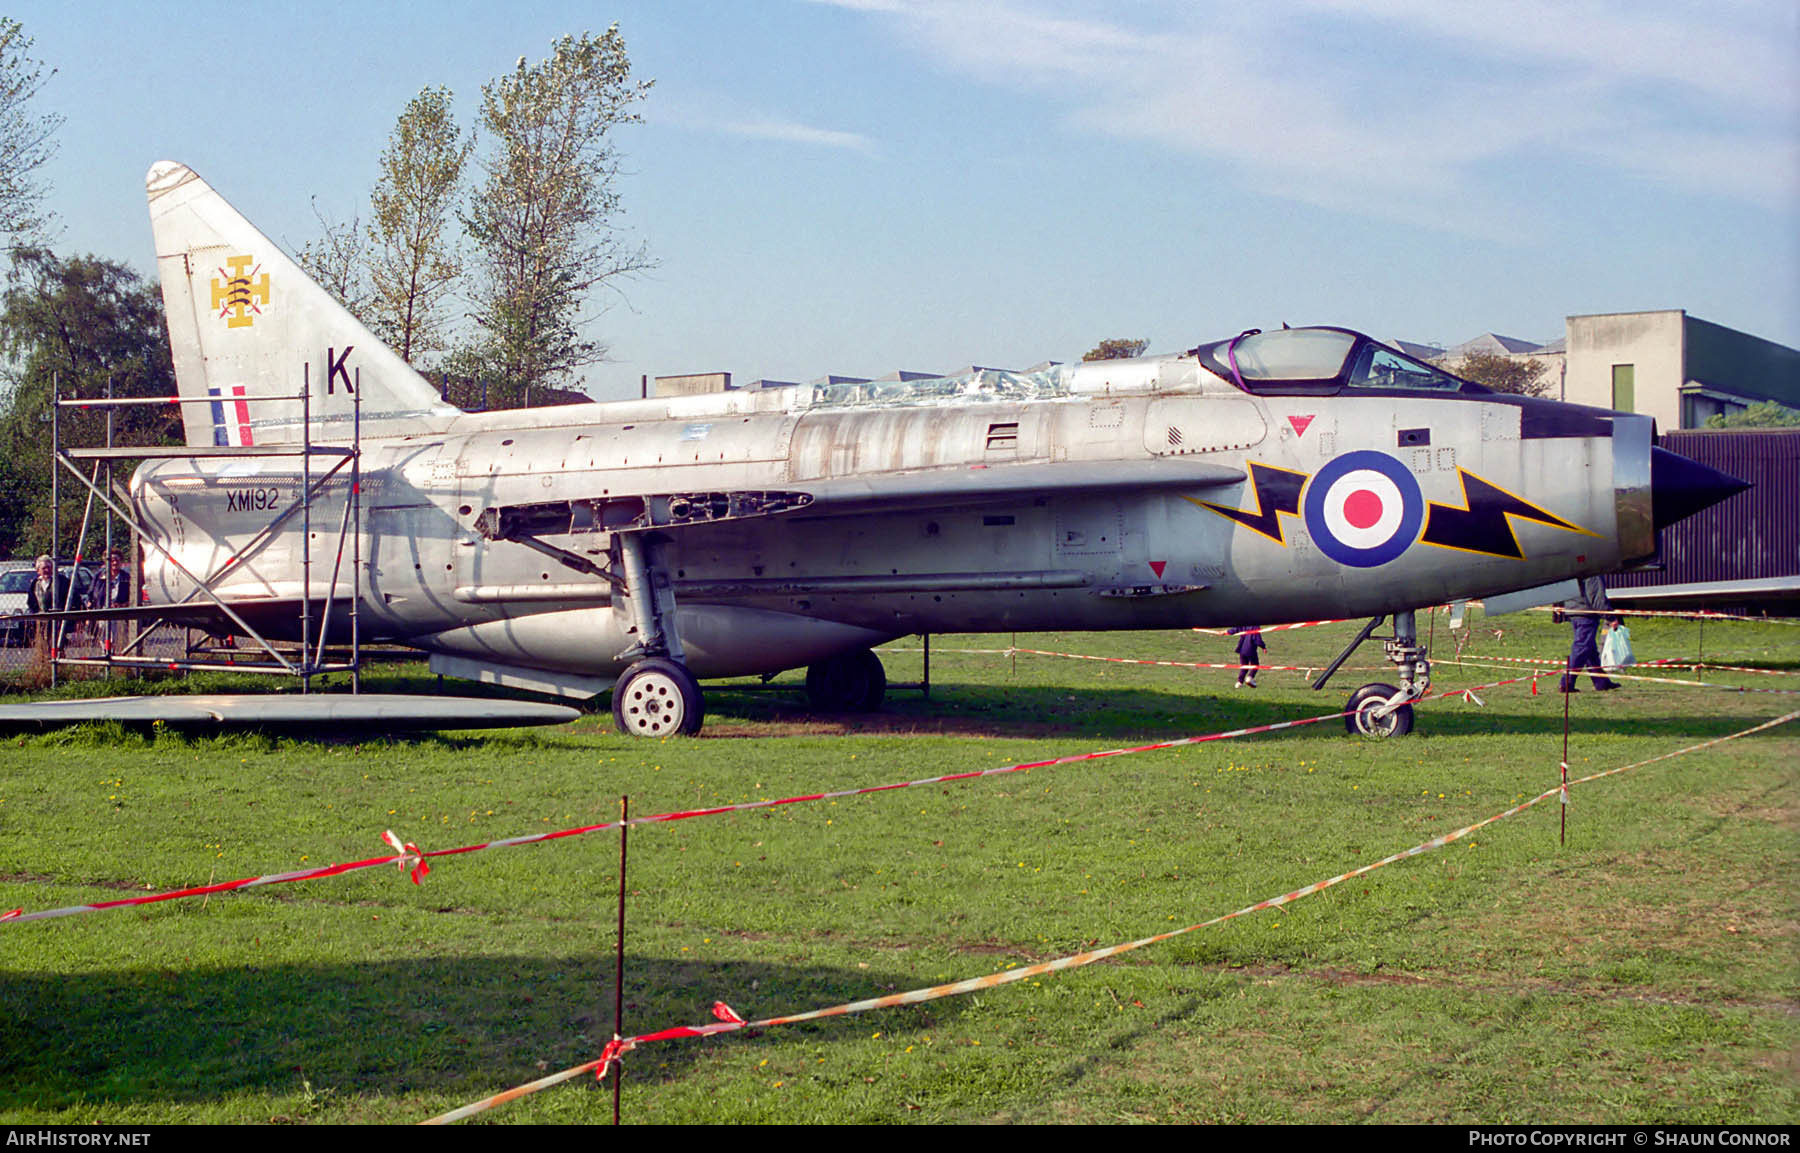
(1369, 715)
(658, 698)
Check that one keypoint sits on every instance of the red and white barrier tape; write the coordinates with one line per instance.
(729, 1021)
(411, 857)
(1621, 675)
(1275, 628)
(1137, 661)
(1673, 614)
(1459, 659)
(1673, 663)
(1653, 663)
(1191, 664)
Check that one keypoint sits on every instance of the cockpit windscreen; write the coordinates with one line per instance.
(1322, 361)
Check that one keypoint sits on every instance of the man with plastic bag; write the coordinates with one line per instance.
(1584, 610)
(1616, 653)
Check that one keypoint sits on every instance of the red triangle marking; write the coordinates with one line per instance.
(1157, 566)
(1300, 423)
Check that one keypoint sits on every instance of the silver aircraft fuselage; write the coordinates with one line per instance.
(764, 593)
(1262, 478)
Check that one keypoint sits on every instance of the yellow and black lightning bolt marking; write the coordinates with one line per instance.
(1482, 527)
(1277, 492)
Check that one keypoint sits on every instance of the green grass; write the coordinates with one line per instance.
(1644, 971)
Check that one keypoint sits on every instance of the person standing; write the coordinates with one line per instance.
(1249, 639)
(1584, 610)
(111, 589)
(49, 592)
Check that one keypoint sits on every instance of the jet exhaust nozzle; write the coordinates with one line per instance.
(1680, 487)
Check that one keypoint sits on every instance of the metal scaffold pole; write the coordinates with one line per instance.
(107, 632)
(306, 660)
(356, 573)
(55, 499)
(311, 659)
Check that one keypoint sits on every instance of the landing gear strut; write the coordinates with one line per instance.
(1381, 710)
(852, 682)
(656, 696)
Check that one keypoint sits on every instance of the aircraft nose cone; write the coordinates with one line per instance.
(1679, 487)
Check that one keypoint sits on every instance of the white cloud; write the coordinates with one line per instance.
(1404, 108)
(1741, 54)
(701, 110)
(794, 133)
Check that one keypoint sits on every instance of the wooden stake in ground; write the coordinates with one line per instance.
(619, 965)
(1562, 836)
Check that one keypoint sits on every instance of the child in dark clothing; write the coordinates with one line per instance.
(1248, 641)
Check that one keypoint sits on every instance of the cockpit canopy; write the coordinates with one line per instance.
(1322, 361)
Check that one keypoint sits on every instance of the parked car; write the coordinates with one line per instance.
(15, 586)
(81, 578)
(15, 591)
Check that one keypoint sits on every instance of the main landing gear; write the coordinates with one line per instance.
(1382, 710)
(656, 696)
(852, 682)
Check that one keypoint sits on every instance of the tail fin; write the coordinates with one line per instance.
(246, 322)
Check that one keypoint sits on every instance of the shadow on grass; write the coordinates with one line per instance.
(467, 1027)
(976, 709)
(1062, 711)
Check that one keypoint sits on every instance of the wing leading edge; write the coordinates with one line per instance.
(981, 484)
(858, 494)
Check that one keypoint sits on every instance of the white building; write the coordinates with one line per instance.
(1675, 367)
(1669, 365)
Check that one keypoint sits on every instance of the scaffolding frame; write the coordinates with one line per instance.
(309, 660)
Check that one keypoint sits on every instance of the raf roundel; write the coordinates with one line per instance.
(1364, 509)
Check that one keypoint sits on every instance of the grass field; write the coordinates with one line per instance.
(1645, 971)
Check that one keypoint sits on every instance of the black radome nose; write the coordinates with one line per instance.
(1679, 487)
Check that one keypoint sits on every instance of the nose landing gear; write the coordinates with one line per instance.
(1381, 710)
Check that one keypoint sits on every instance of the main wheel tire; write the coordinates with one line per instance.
(658, 698)
(852, 682)
(1362, 707)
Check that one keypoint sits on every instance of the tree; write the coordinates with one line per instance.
(1504, 374)
(1763, 414)
(26, 138)
(338, 260)
(71, 326)
(414, 263)
(543, 218)
(1116, 348)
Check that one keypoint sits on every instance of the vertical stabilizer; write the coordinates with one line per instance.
(246, 322)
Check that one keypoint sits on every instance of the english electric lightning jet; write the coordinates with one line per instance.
(643, 545)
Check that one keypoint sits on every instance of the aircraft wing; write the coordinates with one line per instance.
(330, 712)
(1777, 596)
(982, 484)
(864, 492)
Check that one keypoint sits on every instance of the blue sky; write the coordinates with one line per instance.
(855, 186)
